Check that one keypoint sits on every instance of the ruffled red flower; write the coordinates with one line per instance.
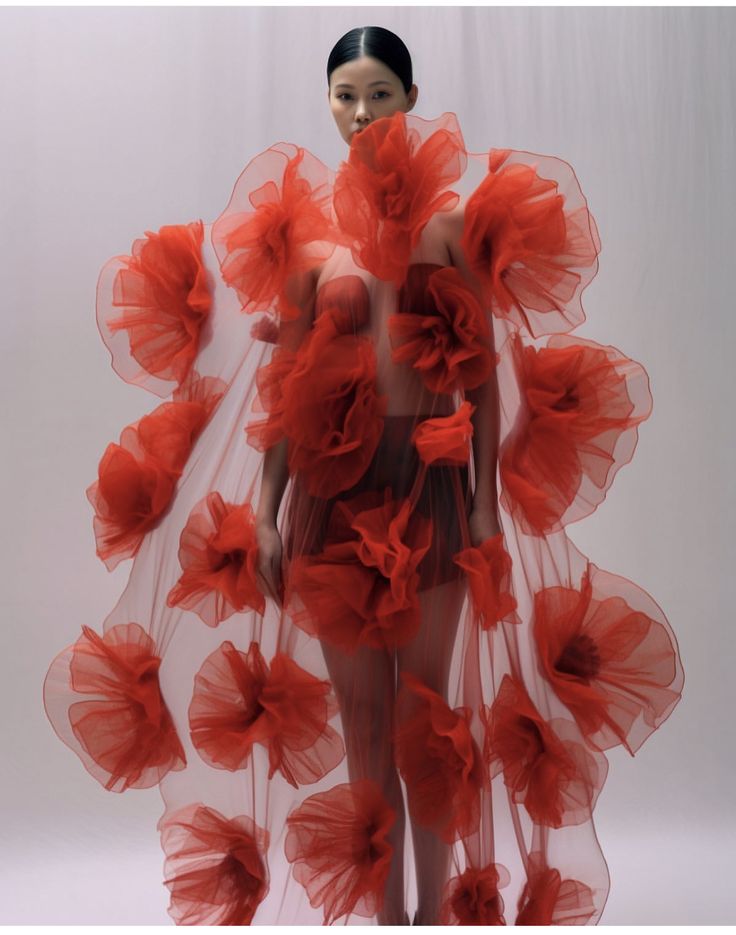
(615, 667)
(218, 552)
(582, 404)
(438, 759)
(547, 899)
(338, 843)
(332, 414)
(276, 226)
(125, 735)
(345, 302)
(545, 766)
(441, 330)
(239, 701)
(488, 568)
(215, 867)
(136, 478)
(152, 306)
(263, 434)
(473, 897)
(445, 440)
(362, 589)
(531, 241)
(395, 178)
(265, 329)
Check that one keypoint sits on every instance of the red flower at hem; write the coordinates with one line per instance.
(473, 898)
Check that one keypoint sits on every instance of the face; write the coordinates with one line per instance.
(363, 90)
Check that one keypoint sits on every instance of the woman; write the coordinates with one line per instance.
(375, 627)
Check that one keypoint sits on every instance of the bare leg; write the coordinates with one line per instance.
(365, 688)
(428, 657)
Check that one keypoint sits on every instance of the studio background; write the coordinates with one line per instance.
(116, 121)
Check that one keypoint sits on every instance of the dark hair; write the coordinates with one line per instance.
(377, 42)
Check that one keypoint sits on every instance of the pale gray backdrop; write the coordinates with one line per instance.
(115, 121)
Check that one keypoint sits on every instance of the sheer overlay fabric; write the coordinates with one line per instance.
(425, 704)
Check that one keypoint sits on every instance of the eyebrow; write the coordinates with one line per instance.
(343, 85)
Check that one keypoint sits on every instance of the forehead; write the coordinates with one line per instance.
(363, 72)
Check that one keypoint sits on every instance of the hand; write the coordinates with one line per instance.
(268, 572)
(483, 523)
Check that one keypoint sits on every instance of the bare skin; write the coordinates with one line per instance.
(365, 684)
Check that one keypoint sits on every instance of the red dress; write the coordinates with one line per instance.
(386, 324)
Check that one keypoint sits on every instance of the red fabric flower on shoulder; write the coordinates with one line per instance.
(362, 589)
(473, 897)
(152, 306)
(120, 726)
(338, 842)
(136, 478)
(488, 567)
(445, 440)
(439, 761)
(547, 899)
(582, 404)
(276, 227)
(530, 240)
(215, 867)
(218, 552)
(396, 177)
(239, 701)
(613, 665)
(441, 330)
(545, 765)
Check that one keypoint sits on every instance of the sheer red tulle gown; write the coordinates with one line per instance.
(401, 327)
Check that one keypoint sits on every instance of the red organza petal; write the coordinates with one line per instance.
(153, 305)
(338, 843)
(395, 178)
(332, 414)
(583, 403)
(488, 567)
(547, 899)
(361, 590)
(614, 665)
(103, 697)
(446, 439)
(546, 765)
(473, 898)
(215, 867)
(531, 241)
(441, 330)
(438, 759)
(218, 553)
(238, 701)
(276, 226)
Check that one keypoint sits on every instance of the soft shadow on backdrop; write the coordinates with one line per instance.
(117, 121)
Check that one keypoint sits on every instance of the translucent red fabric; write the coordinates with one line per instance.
(422, 716)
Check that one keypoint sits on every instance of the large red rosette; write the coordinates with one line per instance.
(395, 178)
(276, 227)
(530, 240)
(582, 404)
(362, 588)
(152, 306)
(106, 690)
(218, 552)
(438, 759)
(238, 701)
(215, 867)
(137, 477)
(547, 899)
(338, 842)
(445, 440)
(546, 765)
(473, 898)
(488, 569)
(441, 330)
(613, 665)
